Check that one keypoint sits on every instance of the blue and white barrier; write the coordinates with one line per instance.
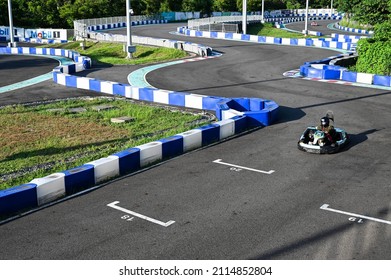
(325, 71)
(235, 115)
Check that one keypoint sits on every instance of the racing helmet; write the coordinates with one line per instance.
(325, 122)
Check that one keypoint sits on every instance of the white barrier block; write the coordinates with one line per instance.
(227, 128)
(61, 78)
(161, 96)
(206, 34)
(270, 40)
(237, 36)
(220, 35)
(318, 43)
(317, 66)
(150, 153)
(254, 38)
(365, 78)
(83, 83)
(79, 67)
(302, 42)
(193, 101)
(128, 91)
(135, 93)
(57, 52)
(14, 50)
(285, 41)
(39, 50)
(192, 139)
(227, 114)
(105, 168)
(106, 87)
(50, 188)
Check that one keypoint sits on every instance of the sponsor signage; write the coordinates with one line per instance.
(60, 34)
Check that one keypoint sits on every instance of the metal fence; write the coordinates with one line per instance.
(221, 24)
(80, 26)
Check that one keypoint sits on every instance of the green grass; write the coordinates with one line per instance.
(267, 29)
(37, 141)
(113, 53)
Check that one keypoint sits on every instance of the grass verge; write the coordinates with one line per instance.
(39, 140)
(268, 29)
(112, 53)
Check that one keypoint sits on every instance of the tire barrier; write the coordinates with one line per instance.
(235, 115)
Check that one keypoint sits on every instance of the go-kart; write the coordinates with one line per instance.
(315, 141)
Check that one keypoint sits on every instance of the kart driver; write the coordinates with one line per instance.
(328, 130)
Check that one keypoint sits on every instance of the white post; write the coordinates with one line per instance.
(11, 27)
(263, 10)
(244, 21)
(306, 19)
(128, 28)
(331, 7)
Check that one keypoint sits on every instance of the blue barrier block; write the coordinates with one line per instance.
(213, 34)
(239, 104)
(119, 89)
(71, 68)
(146, 94)
(294, 41)
(210, 133)
(18, 198)
(172, 146)
(261, 39)
(245, 37)
(228, 35)
(381, 80)
(277, 40)
(198, 33)
(79, 178)
(331, 74)
(32, 51)
(129, 160)
(71, 81)
(210, 102)
(309, 42)
(240, 123)
(349, 76)
(315, 73)
(95, 85)
(304, 70)
(257, 118)
(257, 104)
(54, 75)
(176, 99)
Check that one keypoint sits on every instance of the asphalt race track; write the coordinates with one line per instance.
(233, 208)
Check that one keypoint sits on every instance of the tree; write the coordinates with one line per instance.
(371, 12)
(152, 7)
(171, 5)
(202, 6)
(224, 5)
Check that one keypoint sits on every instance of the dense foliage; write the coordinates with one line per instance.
(374, 53)
(62, 13)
